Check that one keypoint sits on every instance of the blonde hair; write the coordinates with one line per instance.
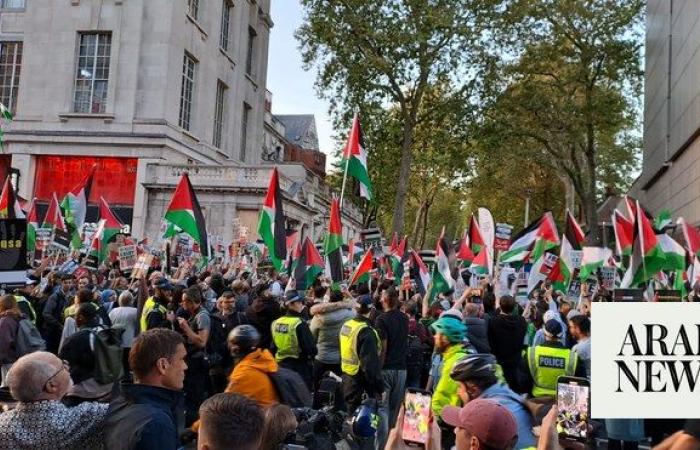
(279, 422)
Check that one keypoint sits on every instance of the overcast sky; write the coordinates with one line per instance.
(292, 88)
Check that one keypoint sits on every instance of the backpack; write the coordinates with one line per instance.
(107, 345)
(217, 345)
(291, 389)
(414, 354)
(28, 339)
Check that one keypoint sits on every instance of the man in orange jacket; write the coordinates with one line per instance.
(251, 374)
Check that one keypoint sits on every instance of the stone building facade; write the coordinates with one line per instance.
(670, 177)
(146, 89)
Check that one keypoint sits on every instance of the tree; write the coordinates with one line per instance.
(388, 52)
(569, 94)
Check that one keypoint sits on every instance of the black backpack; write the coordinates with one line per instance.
(414, 352)
(217, 346)
(108, 354)
(291, 389)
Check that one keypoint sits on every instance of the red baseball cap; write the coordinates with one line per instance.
(488, 421)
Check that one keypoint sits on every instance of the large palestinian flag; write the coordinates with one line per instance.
(271, 226)
(647, 255)
(442, 276)
(464, 253)
(110, 228)
(592, 259)
(397, 257)
(422, 275)
(74, 206)
(532, 242)
(9, 204)
(184, 211)
(308, 265)
(476, 238)
(361, 273)
(54, 218)
(691, 235)
(624, 231)
(32, 225)
(333, 246)
(674, 253)
(354, 159)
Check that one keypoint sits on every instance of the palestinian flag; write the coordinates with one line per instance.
(571, 242)
(9, 204)
(7, 115)
(74, 206)
(476, 239)
(308, 265)
(271, 226)
(397, 257)
(662, 220)
(531, 243)
(361, 273)
(464, 253)
(355, 159)
(480, 265)
(592, 259)
(691, 235)
(184, 212)
(624, 229)
(647, 255)
(674, 253)
(422, 275)
(171, 230)
(54, 218)
(333, 246)
(111, 227)
(32, 225)
(442, 276)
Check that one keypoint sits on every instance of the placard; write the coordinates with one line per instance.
(668, 295)
(607, 276)
(576, 257)
(13, 252)
(628, 295)
(550, 260)
(61, 239)
(140, 269)
(502, 236)
(127, 257)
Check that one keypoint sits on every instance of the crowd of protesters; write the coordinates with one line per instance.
(168, 360)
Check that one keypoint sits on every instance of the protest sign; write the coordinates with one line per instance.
(13, 252)
(668, 295)
(502, 236)
(61, 239)
(43, 238)
(140, 269)
(550, 260)
(576, 257)
(127, 257)
(607, 275)
(69, 267)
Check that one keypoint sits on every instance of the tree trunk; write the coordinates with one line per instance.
(404, 172)
(591, 205)
(416, 223)
(424, 225)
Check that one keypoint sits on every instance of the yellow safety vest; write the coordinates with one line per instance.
(546, 365)
(349, 359)
(284, 335)
(149, 306)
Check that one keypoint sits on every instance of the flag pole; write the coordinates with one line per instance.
(345, 179)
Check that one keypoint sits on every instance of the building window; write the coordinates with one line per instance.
(187, 92)
(12, 4)
(219, 113)
(93, 73)
(244, 129)
(193, 8)
(10, 65)
(225, 23)
(250, 56)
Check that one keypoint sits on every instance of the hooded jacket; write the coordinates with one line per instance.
(506, 397)
(250, 378)
(325, 326)
(507, 337)
(477, 334)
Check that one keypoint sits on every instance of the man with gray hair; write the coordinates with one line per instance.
(38, 381)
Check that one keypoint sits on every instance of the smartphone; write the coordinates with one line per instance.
(574, 405)
(416, 422)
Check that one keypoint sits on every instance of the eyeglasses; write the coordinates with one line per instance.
(64, 366)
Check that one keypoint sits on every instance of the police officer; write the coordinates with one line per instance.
(360, 348)
(155, 311)
(292, 341)
(547, 362)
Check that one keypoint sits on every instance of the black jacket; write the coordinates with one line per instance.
(477, 333)
(79, 354)
(261, 314)
(53, 311)
(142, 417)
(506, 337)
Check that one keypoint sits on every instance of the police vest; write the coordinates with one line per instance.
(546, 365)
(349, 359)
(148, 307)
(284, 335)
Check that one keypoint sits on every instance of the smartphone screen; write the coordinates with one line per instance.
(573, 403)
(416, 421)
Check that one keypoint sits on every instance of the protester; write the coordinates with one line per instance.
(580, 328)
(419, 346)
(477, 331)
(327, 319)
(280, 423)
(38, 381)
(53, 312)
(262, 312)
(253, 366)
(144, 416)
(10, 315)
(360, 349)
(482, 424)
(506, 337)
(292, 342)
(477, 379)
(230, 421)
(125, 316)
(392, 326)
(155, 310)
(196, 332)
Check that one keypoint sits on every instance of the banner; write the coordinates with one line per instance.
(502, 235)
(127, 257)
(13, 252)
(488, 232)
